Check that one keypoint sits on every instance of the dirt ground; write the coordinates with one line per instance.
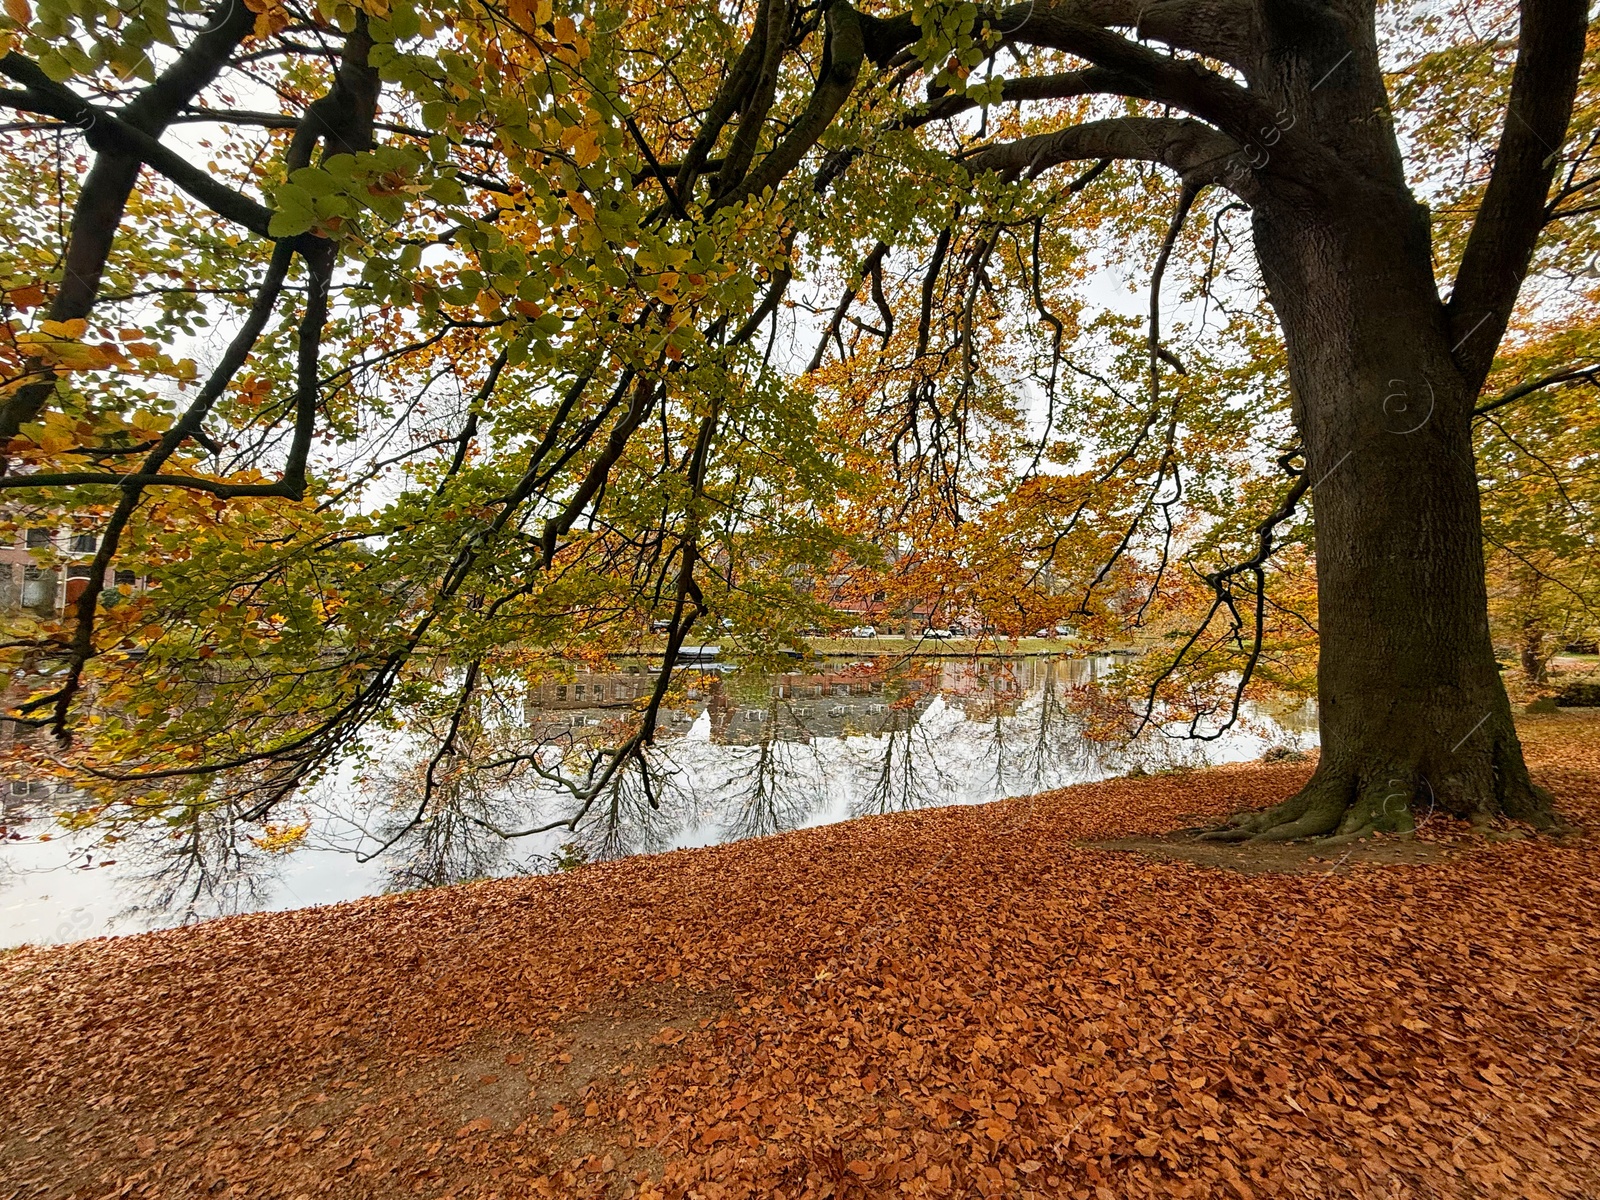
(987, 1001)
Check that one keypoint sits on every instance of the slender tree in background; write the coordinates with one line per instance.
(506, 291)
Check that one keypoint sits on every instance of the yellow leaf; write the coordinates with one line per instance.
(279, 839)
(584, 149)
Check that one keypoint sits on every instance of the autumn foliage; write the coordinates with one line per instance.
(374, 336)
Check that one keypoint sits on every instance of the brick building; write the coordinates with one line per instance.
(44, 571)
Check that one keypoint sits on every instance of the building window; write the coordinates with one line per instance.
(84, 543)
(38, 539)
(577, 691)
(126, 578)
(561, 691)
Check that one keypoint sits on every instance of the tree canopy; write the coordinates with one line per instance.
(398, 351)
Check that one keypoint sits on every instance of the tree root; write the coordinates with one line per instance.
(1317, 810)
(1342, 803)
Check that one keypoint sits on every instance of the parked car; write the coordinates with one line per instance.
(939, 633)
(863, 631)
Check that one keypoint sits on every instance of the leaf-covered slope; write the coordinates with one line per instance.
(954, 1002)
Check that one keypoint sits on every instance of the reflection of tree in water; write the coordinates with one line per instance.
(643, 808)
(210, 866)
(440, 804)
(454, 841)
(1051, 745)
(772, 787)
(903, 772)
(462, 834)
(1033, 738)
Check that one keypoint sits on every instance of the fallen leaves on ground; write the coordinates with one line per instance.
(958, 1002)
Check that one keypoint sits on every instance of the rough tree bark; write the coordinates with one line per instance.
(1414, 715)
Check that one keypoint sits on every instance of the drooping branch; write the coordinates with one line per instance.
(187, 426)
(1223, 583)
(447, 749)
(871, 268)
(688, 606)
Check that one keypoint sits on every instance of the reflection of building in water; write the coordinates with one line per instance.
(593, 689)
(795, 706)
(994, 687)
(839, 700)
(798, 706)
(24, 801)
(600, 697)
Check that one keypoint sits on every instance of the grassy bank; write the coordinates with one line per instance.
(919, 647)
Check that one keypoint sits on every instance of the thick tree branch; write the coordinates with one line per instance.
(1085, 28)
(1543, 84)
(1226, 30)
(342, 118)
(841, 66)
(1197, 152)
(763, 91)
(105, 191)
(109, 133)
(1568, 375)
(726, 102)
(1092, 81)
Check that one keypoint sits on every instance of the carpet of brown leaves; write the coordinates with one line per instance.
(960, 1002)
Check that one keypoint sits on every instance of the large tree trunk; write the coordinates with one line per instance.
(1532, 647)
(1414, 716)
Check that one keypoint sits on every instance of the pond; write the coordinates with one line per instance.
(741, 754)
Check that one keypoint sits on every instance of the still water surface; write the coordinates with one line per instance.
(749, 754)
